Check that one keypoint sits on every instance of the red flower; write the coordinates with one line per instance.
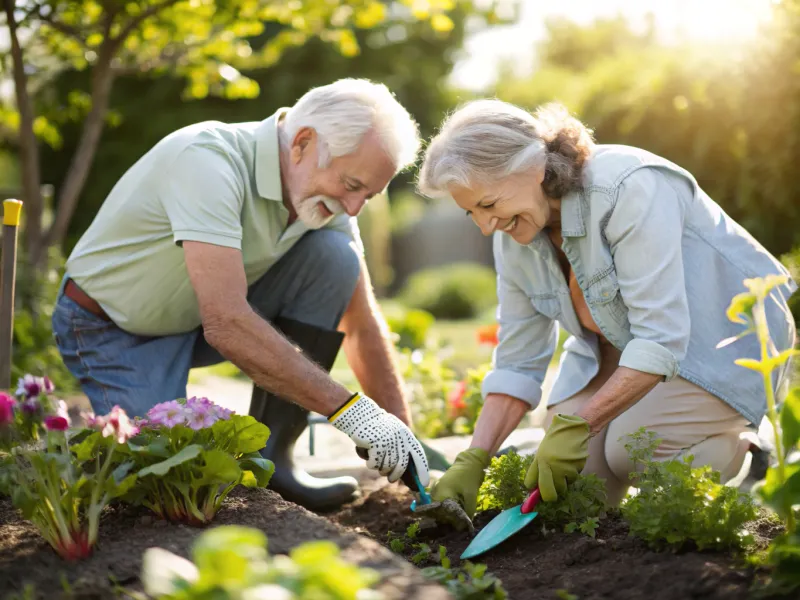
(488, 334)
(56, 423)
(456, 396)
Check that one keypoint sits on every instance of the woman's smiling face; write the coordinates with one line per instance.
(516, 205)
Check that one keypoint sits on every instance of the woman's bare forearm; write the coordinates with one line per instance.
(499, 417)
(623, 389)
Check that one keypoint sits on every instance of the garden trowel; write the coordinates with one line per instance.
(503, 526)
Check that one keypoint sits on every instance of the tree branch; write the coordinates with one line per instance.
(29, 149)
(67, 30)
(136, 21)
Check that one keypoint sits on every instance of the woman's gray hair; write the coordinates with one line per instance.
(344, 111)
(488, 140)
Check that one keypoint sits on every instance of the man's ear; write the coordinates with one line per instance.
(303, 143)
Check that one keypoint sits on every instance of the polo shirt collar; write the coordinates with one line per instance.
(268, 163)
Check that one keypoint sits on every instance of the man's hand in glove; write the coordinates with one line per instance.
(387, 440)
(463, 479)
(560, 458)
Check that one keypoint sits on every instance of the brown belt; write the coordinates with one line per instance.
(77, 295)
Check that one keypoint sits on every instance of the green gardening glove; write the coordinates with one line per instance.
(560, 457)
(462, 480)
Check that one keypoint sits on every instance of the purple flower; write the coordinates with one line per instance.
(201, 419)
(47, 385)
(31, 406)
(223, 414)
(30, 386)
(168, 414)
(7, 405)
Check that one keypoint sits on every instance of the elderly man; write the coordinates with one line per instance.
(239, 242)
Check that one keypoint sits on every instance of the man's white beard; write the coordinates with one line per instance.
(309, 214)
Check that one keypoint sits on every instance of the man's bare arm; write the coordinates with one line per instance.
(370, 352)
(234, 329)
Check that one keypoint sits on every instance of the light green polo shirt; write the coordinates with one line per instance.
(210, 182)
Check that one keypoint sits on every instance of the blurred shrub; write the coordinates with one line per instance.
(453, 291)
(34, 350)
(410, 325)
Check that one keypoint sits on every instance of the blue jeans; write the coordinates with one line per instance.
(312, 283)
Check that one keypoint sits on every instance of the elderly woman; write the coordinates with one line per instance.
(629, 255)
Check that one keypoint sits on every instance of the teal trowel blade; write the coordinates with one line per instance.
(503, 526)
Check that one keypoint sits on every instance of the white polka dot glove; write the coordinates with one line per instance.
(387, 440)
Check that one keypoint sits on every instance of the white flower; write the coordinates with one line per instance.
(161, 570)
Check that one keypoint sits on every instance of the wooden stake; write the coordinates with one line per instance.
(8, 276)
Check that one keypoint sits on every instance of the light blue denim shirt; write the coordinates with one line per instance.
(658, 262)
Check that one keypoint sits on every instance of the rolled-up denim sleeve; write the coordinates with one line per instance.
(526, 342)
(645, 232)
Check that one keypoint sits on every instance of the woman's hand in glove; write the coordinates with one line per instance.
(463, 479)
(560, 458)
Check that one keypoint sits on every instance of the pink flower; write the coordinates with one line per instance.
(7, 405)
(119, 425)
(56, 423)
(47, 385)
(62, 410)
(93, 421)
(168, 414)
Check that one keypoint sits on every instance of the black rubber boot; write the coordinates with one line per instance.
(287, 421)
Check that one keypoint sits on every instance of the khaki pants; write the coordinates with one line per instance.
(688, 419)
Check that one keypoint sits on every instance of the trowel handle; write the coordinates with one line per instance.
(531, 501)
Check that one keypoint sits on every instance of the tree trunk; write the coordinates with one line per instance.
(102, 80)
(29, 148)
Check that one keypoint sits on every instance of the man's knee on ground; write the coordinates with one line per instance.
(332, 260)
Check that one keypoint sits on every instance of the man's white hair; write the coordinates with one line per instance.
(344, 111)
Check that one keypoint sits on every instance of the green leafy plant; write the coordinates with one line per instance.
(780, 490)
(466, 582)
(503, 486)
(677, 504)
(579, 509)
(62, 488)
(232, 562)
(190, 454)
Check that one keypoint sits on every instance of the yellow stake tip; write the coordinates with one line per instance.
(11, 212)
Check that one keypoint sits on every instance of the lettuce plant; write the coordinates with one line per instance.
(190, 454)
(232, 562)
(62, 487)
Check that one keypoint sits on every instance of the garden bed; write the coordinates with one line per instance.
(126, 532)
(534, 565)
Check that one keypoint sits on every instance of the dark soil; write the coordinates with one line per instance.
(537, 565)
(126, 532)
